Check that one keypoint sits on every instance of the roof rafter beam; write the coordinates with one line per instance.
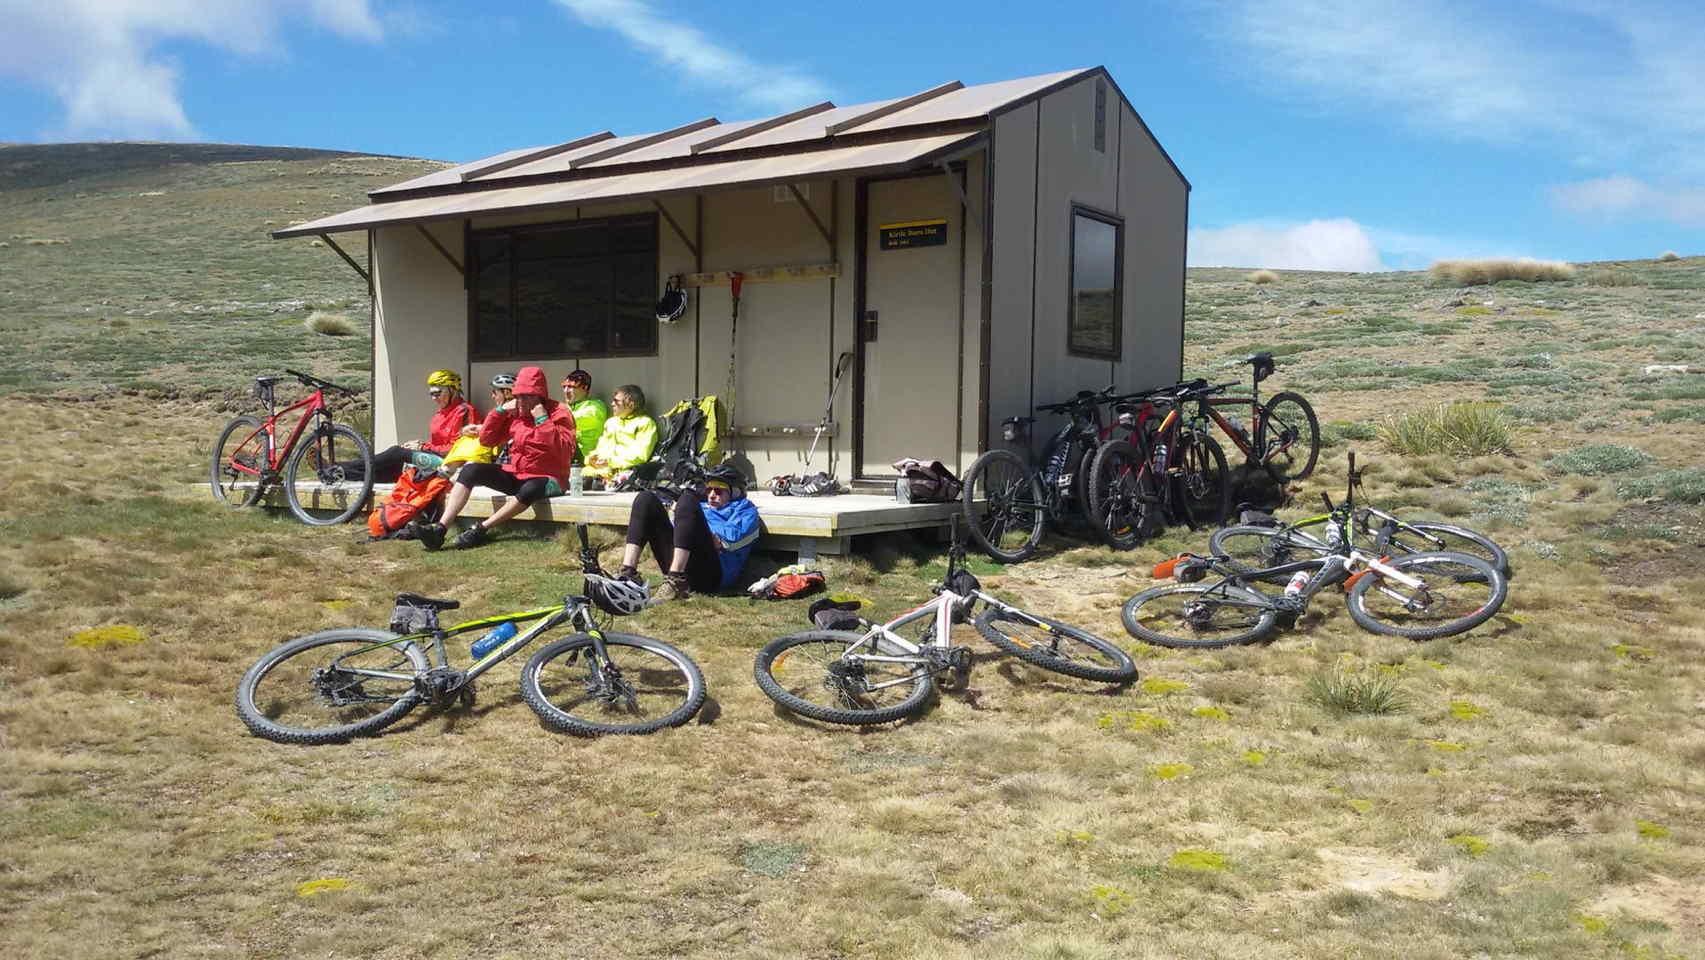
(759, 127)
(347, 259)
(641, 143)
(892, 107)
(667, 216)
(440, 248)
(799, 198)
(498, 166)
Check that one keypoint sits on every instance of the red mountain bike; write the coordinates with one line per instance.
(1284, 436)
(248, 456)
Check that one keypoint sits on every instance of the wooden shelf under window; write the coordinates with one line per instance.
(807, 271)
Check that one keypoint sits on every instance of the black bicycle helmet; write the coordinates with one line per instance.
(726, 474)
(673, 303)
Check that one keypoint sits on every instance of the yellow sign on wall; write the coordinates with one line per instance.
(912, 233)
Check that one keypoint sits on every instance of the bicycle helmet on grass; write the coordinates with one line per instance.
(619, 597)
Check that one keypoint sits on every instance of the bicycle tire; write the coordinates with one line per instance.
(671, 679)
(1074, 517)
(1050, 655)
(1471, 570)
(1453, 539)
(778, 653)
(1240, 630)
(1122, 497)
(250, 451)
(1283, 469)
(1204, 483)
(260, 708)
(1250, 548)
(999, 481)
(319, 451)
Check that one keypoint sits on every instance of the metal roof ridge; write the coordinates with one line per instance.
(642, 142)
(498, 166)
(760, 126)
(892, 106)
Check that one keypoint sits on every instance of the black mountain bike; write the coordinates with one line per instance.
(1167, 469)
(331, 686)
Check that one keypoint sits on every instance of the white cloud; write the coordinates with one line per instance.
(102, 59)
(1601, 82)
(1339, 244)
(1625, 197)
(689, 50)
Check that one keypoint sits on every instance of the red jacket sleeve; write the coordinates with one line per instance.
(494, 432)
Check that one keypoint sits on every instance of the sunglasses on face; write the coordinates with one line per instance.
(434, 392)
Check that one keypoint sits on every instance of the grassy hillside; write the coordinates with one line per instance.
(148, 266)
(1536, 790)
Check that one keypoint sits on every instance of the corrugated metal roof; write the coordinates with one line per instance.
(792, 167)
(807, 132)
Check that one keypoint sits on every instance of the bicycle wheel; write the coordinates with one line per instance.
(1122, 497)
(1003, 506)
(239, 459)
(318, 454)
(1289, 437)
(1447, 538)
(1252, 548)
(1198, 616)
(652, 686)
(813, 675)
(1056, 646)
(1458, 593)
(1203, 481)
(330, 686)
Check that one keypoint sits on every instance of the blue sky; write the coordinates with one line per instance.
(1324, 134)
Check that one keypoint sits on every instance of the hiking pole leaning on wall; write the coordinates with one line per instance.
(735, 279)
(823, 483)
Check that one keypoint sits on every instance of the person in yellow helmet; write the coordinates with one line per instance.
(452, 414)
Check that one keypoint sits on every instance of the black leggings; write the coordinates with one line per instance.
(493, 476)
(387, 465)
(649, 523)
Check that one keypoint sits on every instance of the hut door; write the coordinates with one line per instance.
(909, 336)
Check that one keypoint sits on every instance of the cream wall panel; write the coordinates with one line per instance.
(419, 325)
(1011, 304)
(971, 314)
(1155, 205)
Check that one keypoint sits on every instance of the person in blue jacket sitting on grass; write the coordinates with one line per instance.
(704, 546)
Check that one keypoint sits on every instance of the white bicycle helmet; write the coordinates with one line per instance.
(618, 597)
(673, 303)
(503, 381)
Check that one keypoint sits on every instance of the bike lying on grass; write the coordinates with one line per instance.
(872, 674)
(330, 686)
(248, 457)
(1419, 596)
(1373, 529)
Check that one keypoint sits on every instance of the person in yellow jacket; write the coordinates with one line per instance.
(589, 411)
(629, 435)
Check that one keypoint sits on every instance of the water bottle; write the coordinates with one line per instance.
(1334, 536)
(1160, 458)
(1237, 426)
(1299, 580)
(498, 636)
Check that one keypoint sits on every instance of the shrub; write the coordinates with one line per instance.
(1612, 278)
(1460, 429)
(1678, 486)
(1499, 499)
(1263, 276)
(1343, 694)
(1670, 256)
(330, 324)
(1469, 273)
(1599, 459)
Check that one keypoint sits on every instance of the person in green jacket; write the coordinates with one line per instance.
(589, 411)
(629, 435)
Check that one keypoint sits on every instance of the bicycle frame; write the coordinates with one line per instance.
(1352, 564)
(941, 608)
(315, 408)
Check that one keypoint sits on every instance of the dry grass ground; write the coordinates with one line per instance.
(1537, 793)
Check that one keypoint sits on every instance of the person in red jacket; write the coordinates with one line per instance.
(540, 435)
(452, 413)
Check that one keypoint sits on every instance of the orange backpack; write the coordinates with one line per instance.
(416, 492)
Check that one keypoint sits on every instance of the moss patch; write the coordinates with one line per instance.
(1139, 721)
(1160, 686)
(1465, 710)
(1470, 844)
(314, 888)
(111, 635)
(1171, 771)
(1211, 713)
(1650, 830)
(1205, 861)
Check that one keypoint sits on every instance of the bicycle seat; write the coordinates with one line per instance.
(267, 381)
(416, 600)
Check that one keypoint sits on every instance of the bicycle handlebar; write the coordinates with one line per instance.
(1084, 398)
(313, 381)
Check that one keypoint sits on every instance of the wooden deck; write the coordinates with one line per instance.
(807, 525)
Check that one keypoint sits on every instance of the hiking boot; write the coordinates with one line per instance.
(630, 574)
(472, 537)
(431, 535)
(674, 588)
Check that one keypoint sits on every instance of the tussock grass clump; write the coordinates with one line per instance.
(1676, 486)
(1496, 498)
(1599, 459)
(329, 324)
(1669, 256)
(10, 589)
(1262, 276)
(1470, 273)
(1612, 278)
(1461, 428)
(1345, 694)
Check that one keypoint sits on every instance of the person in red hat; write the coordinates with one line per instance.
(540, 435)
